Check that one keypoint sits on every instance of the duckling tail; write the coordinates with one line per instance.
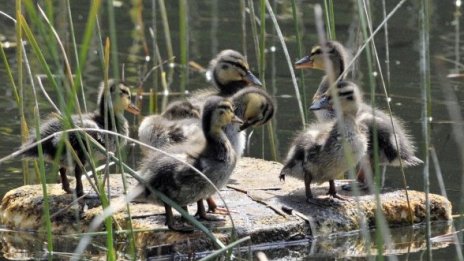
(413, 161)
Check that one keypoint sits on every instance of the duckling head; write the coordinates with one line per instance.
(349, 95)
(218, 113)
(254, 106)
(181, 110)
(315, 60)
(230, 72)
(120, 97)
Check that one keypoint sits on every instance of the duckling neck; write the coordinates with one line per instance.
(338, 67)
(219, 146)
(119, 123)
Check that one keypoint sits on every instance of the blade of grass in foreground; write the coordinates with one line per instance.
(183, 42)
(289, 61)
(300, 54)
(424, 22)
(19, 64)
(21, 24)
(111, 255)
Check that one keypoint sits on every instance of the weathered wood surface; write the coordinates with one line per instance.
(255, 197)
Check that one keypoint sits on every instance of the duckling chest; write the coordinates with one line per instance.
(333, 159)
(219, 164)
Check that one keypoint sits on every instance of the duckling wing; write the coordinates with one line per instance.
(171, 176)
(305, 147)
(54, 126)
(199, 97)
(160, 132)
(389, 136)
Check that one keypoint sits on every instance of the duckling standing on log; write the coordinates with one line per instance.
(120, 98)
(323, 151)
(216, 159)
(388, 134)
(232, 78)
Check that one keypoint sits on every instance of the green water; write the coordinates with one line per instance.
(216, 25)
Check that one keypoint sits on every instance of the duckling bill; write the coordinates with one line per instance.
(121, 100)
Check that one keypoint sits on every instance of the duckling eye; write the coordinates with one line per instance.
(317, 51)
(225, 67)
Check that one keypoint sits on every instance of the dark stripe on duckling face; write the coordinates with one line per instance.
(236, 64)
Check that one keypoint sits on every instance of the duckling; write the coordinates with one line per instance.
(216, 159)
(255, 107)
(121, 100)
(317, 154)
(390, 153)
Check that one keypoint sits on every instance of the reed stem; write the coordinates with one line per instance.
(424, 22)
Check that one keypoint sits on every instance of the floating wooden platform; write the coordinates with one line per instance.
(262, 207)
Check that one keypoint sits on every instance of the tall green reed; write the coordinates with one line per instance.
(330, 19)
(114, 39)
(424, 40)
(183, 43)
(289, 61)
(20, 87)
(21, 22)
(297, 25)
(167, 35)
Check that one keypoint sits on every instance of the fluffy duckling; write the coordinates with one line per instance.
(216, 159)
(390, 153)
(120, 98)
(317, 154)
(255, 107)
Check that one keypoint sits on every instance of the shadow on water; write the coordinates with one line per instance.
(217, 25)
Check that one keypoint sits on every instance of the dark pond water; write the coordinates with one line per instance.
(217, 25)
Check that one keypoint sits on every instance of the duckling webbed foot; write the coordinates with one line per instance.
(65, 181)
(213, 207)
(333, 191)
(172, 225)
(201, 213)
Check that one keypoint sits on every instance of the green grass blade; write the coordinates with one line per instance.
(183, 43)
(424, 40)
(289, 61)
(296, 23)
(114, 39)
